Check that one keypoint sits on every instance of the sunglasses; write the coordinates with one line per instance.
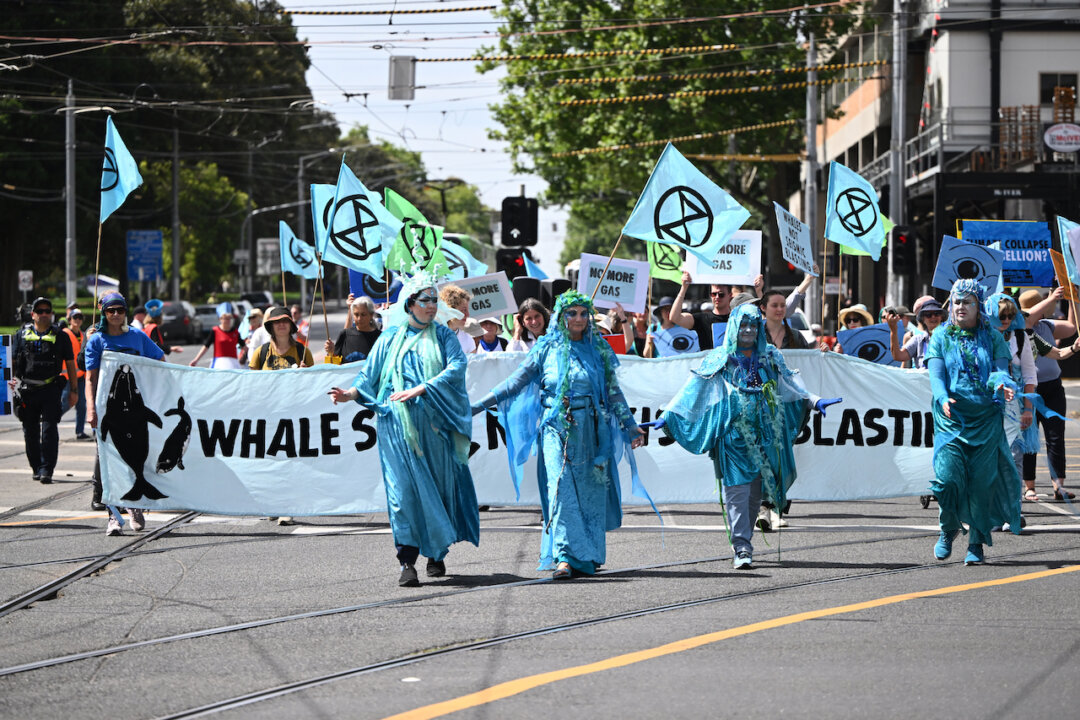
(576, 313)
(932, 313)
(43, 311)
(719, 293)
(848, 321)
(115, 311)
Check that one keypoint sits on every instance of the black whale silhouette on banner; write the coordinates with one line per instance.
(126, 418)
(172, 452)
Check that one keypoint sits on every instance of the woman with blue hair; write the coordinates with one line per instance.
(565, 400)
(414, 380)
(744, 407)
(976, 482)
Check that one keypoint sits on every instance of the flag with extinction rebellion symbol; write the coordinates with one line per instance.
(680, 206)
(852, 218)
(359, 230)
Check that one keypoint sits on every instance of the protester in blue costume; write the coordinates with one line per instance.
(975, 479)
(414, 380)
(564, 398)
(744, 407)
(1021, 432)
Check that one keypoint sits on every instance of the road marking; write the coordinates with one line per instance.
(520, 685)
(53, 520)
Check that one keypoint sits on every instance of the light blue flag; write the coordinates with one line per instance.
(1064, 228)
(119, 173)
(852, 218)
(680, 206)
(297, 257)
(360, 231)
(532, 269)
(322, 202)
(461, 264)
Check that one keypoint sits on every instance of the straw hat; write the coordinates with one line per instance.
(861, 311)
(1030, 298)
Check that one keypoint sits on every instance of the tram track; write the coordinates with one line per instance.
(42, 502)
(51, 588)
(406, 660)
(438, 595)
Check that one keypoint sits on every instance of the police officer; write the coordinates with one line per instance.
(40, 352)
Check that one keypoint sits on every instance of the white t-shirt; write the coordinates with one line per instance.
(468, 345)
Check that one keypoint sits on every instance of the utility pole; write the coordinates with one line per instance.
(811, 175)
(894, 287)
(176, 214)
(69, 194)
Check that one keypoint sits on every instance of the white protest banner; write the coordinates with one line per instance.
(626, 282)
(795, 240)
(739, 261)
(491, 295)
(271, 443)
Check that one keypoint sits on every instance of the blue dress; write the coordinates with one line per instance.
(424, 442)
(579, 442)
(976, 481)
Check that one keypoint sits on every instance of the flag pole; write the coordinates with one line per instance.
(840, 274)
(284, 295)
(311, 313)
(322, 300)
(824, 265)
(604, 274)
(97, 264)
(386, 277)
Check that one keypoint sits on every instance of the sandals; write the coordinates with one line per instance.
(1030, 496)
(562, 572)
(1058, 495)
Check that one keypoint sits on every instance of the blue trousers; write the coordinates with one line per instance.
(80, 407)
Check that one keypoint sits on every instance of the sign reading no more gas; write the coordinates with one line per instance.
(626, 282)
(491, 295)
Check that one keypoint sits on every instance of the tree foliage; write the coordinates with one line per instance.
(601, 188)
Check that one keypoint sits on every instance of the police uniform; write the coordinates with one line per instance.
(37, 362)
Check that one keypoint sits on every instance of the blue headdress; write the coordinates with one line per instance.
(992, 309)
(715, 361)
(967, 286)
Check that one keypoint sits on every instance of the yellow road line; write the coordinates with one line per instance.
(515, 687)
(54, 520)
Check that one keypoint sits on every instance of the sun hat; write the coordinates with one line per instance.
(1029, 299)
(277, 313)
(666, 301)
(860, 310)
(929, 306)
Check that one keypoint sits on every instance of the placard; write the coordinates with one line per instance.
(1027, 249)
(626, 282)
(871, 343)
(5, 374)
(959, 259)
(1063, 276)
(795, 240)
(719, 331)
(738, 263)
(491, 295)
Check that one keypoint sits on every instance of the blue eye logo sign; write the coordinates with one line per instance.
(375, 288)
(675, 341)
(960, 260)
(868, 343)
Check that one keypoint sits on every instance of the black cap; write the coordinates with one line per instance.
(666, 301)
(140, 309)
(40, 301)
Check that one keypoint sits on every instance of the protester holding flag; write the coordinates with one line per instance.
(530, 323)
(414, 380)
(744, 407)
(565, 399)
(976, 483)
(354, 343)
(1050, 389)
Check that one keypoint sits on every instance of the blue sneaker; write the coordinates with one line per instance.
(975, 555)
(943, 547)
(744, 560)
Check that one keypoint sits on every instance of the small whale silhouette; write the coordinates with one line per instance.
(172, 452)
(126, 418)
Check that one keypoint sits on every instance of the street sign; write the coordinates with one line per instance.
(241, 256)
(267, 256)
(26, 280)
(144, 262)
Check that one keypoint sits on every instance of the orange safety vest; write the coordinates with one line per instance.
(76, 346)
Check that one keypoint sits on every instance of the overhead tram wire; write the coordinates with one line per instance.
(715, 75)
(681, 138)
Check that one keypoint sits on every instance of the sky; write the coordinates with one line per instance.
(448, 120)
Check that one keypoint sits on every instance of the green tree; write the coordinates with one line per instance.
(602, 187)
(210, 206)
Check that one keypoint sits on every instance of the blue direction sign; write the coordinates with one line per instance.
(144, 256)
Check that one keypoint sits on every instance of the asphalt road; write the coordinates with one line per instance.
(846, 614)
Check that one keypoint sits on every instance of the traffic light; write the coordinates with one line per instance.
(519, 224)
(511, 262)
(902, 246)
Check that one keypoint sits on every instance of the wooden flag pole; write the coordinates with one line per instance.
(824, 279)
(97, 264)
(311, 313)
(840, 279)
(604, 274)
(386, 275)
(326, 322)
(284, 296)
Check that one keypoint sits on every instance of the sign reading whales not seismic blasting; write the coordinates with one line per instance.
(238, 442)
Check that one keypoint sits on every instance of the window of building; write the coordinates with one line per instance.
(1049, 81)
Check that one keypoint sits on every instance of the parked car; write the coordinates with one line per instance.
(261, 299)
(180, 323)
(207, 316)
(801, 325)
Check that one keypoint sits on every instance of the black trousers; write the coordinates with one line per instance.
(39, 420)
(1053, 394)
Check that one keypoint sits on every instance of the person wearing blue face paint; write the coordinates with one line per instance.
(976, 483)
(744, 407)
(414, 380)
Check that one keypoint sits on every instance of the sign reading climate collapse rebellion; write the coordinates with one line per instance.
(1026, 246)
(237, 442)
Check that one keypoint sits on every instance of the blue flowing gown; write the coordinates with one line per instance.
(429, 494)
(577, 469)
(976, 481)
